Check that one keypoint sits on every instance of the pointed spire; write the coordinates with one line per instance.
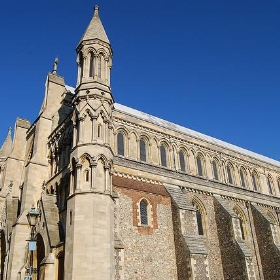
(7, 146)
(95, 29)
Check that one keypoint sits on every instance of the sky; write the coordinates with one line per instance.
(211, 66)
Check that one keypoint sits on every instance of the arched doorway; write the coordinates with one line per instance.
(40, 257)
(3, 254)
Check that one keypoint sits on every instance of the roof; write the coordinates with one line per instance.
(192, 133)
(95, 29)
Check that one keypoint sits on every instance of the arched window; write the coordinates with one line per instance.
(242, 173)
(242, 223)
(270, 185)
(199, 218)
(274, 225)
(91, 65)
(143, 152)
(120, 143)
(199, 163)
(215, 170)
(230, 173)
(143, 212)
(255, 181)
(182, 161)
(163, 160)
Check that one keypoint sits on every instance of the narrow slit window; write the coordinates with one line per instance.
(229, 173)
(254, 181)
(87, 176)
(143, 153)
(269, 184)
(91, 65)
(120, 143)
(99, 131)
(215, 170)
(163, 156)
(81, 60)
(199, 166)
(99, 65)
(242, 178)
(242, 228)
(182, 161)
(199, 222)
(144, 212)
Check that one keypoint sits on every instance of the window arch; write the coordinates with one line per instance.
(182, 159)
(215, 170)
(242, 223)
(270, 185)
(143, 150)
(120, 143)
(200, 217)
(242, 173)
(255, 180)
(163, 156)
(200, 165)
(143, 212)
(230, 173)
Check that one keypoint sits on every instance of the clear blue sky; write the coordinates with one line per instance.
(212, 66)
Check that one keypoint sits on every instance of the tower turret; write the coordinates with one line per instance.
(90, 207)
(94, 56)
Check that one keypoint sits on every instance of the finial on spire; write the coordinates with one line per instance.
(55, 65)
(96, 8)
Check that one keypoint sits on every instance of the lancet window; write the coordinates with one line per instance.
(143, 150)
(200, 218)
(200, 165)
(255, 181)
(120, 143)
(242, 173)
(182, 161)
(163, 155)
(143, 212)
(91, 65)
(215, 170)
(230, 173)
(270, 185)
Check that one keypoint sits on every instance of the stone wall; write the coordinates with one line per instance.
(269, 253)
(149, 251)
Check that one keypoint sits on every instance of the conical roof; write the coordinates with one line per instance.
(95, 29)
(7, 146)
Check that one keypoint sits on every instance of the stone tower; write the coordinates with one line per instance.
(89, 251)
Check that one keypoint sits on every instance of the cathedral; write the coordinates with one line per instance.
(93, 189)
